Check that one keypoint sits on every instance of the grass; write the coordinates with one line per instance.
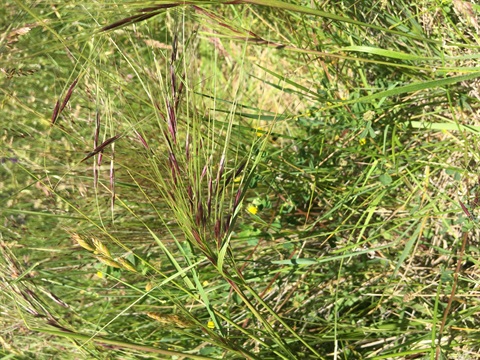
(251, 180)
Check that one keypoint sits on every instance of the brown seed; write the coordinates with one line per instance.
(168, 319)
(55, 112)
(100, 147)
(82, 242)
(100, 248)
(69, 94)
(126, 265)
(161, 6)
(142, 140)
(109, 262)
(129, 20)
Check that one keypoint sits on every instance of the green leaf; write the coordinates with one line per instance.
(386, 53)
(293, 262)
(385, 179)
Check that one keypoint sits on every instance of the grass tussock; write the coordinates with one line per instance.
(241, 179)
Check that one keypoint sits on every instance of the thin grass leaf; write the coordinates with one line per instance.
(96, 165)
(307, 10)
(387, 53)
(109, 343)
(296, 262)
(409, 245)
(445, 126)
(411, 88)
(112, 185)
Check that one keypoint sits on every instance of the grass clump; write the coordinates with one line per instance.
(239, 180)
